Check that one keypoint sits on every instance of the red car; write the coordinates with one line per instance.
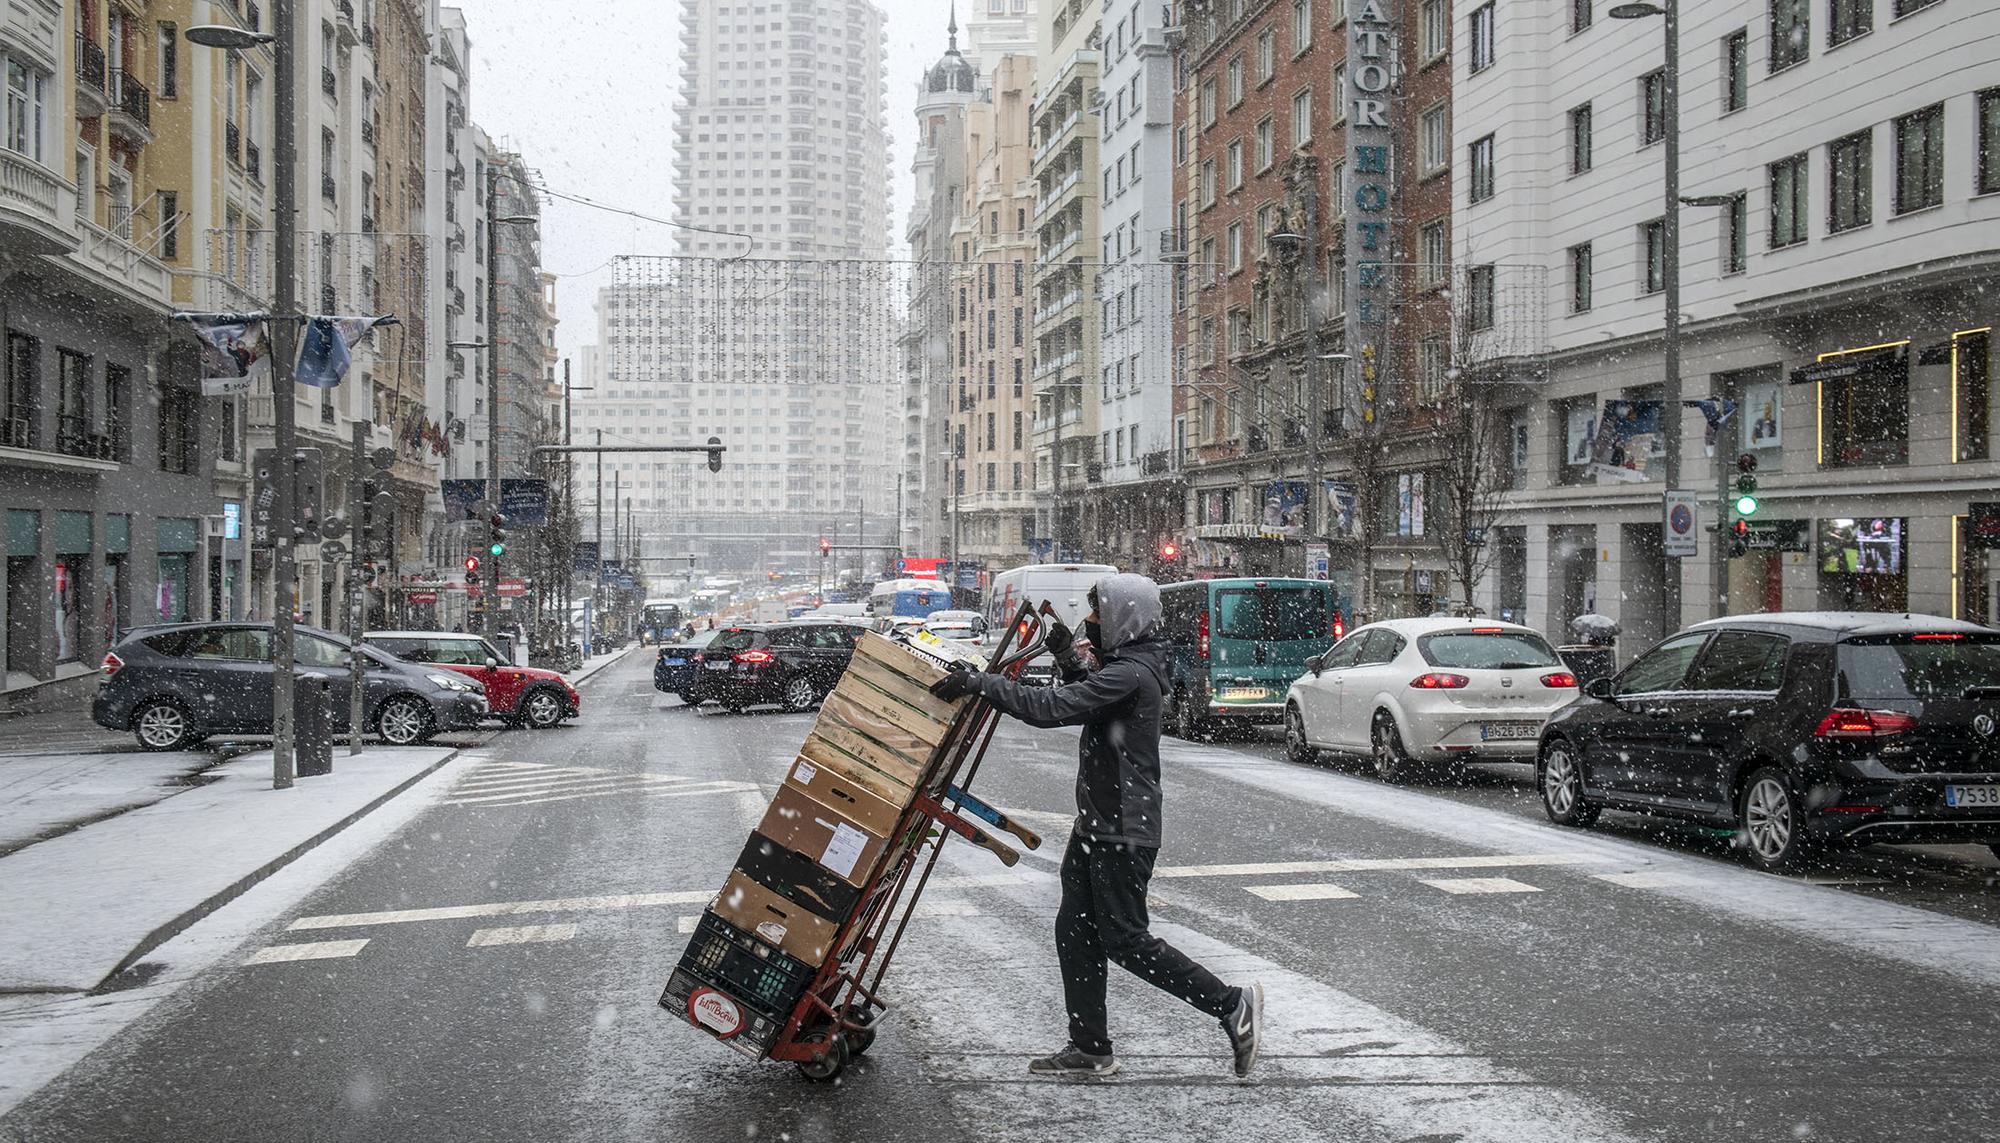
(522, 696)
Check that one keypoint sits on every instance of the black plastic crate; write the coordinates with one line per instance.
(726, 957)
(728, 1020)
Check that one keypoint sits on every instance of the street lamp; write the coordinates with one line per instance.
(284, 339)
(494, 221)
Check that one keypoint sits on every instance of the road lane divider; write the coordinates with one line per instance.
(1369, 864)
(521, 935)
(1462, 886)
(307, 950)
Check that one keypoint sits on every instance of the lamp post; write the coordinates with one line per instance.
(284, 348)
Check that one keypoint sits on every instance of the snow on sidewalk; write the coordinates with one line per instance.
(42, 795)
(77, 907)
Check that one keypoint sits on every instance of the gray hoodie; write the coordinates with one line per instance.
(1119, 706)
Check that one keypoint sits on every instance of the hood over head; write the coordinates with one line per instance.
(1128, 610)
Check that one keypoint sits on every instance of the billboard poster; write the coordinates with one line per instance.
(1864, 546)
(1344, 521)
(524, 501)
(1410, 504)
(1628, 438)
(1763, 415)
(1579, 430)
(1284, 506)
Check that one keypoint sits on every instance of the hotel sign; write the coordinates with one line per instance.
(1370, 75)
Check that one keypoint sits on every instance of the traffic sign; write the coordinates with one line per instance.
(1682, 519)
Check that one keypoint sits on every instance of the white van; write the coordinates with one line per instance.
(1063, 586)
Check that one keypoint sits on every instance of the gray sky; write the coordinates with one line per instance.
(585, 91)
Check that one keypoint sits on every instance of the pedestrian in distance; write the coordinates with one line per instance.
(1116, 836)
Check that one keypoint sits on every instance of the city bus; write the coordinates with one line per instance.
(912, 598)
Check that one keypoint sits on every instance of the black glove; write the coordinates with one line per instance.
(960, 681)
(1058, 638)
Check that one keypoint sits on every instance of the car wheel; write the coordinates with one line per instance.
(1769, 822)
(1189, 726)
(690, 698)
(1393, 764)
(403, 721)
(541, 709)
(799, 695)
(1297, 750)
(163, 724)
(1560, 777)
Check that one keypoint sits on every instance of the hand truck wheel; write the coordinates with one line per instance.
(829, 1066)
(859, 1040)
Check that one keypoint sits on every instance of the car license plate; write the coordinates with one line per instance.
(1497, 731)
(722, 666)
(1239, 694)
(1967, 796)
(673, 662)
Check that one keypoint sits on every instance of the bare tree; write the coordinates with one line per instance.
(1470, 435)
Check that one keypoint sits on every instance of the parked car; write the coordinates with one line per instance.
(791, 664)
(965, 626)
(676, 669)
(174, 685)
(1415, 693)
(1237, 644)
(1800, 729)
(522, 696)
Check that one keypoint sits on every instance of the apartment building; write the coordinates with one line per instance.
(1066, 133)
(1842, 295)
(992, 506)
(457, 213)
(1130, 500)
(997, 28)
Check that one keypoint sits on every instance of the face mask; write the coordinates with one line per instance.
(1093, 633)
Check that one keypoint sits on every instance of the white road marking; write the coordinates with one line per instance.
(1364, 864)
(1646, 878)
(532, 783)
(307, 950)
(1320, 892)
(521, 935)
(687, 924)
(1462, 885)
(502, 909)
(530, 798)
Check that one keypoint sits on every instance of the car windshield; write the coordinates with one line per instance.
(1916, 667)
(1489, 650)
(1270, 614)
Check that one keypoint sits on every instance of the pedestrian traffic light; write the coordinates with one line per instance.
(472, 569)
(1739, 538)
(496, 532)
(715, 454)
(825, 546)
(369, 491)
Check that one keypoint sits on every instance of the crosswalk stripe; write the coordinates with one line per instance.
(520, 935)
(1303, 892)
(502, 909)
(564, 786)
(307, 950)
(1463, 885)
(1362, 864)
(530, 799)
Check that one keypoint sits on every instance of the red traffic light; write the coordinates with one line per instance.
(472, 563)
(825, 545)
(1170, 550)
(1740, 527)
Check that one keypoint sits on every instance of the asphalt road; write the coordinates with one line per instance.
(1447, 967)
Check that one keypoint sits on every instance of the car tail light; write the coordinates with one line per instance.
(1439, 681)
(1931, 636)
(1201, 635)
(1558, 679)
(111, 664)
(1845, 722)
(754, 657)
(1489, 630)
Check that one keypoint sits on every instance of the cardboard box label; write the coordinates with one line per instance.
(844, 849)
(805, 773)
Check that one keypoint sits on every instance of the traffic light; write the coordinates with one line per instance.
(472, 569)
(1739, 538)
(1746, 485)
(715, 454)
(825, 546)
(496, 532)
(369, 491)
(1169, 552)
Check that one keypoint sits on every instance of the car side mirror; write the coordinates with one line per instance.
(492, 664)
(1600, 689)
(1316, 664)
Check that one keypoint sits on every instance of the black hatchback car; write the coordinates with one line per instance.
(791, 664)
(174, 685)
(1801, 729)
(675, 670)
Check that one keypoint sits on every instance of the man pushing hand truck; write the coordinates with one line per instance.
(1116, 837)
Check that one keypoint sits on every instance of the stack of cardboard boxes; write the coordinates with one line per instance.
(842, 818)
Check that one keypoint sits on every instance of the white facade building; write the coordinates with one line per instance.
(995, 28)
(1844, 297)
(458, 276)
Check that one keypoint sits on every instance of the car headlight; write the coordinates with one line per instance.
(451, 682)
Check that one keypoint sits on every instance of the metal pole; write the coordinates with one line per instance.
(1722, 541)
(284, 348)
(493, 390)
(597, 509)
(356, 607)
(1670, 405)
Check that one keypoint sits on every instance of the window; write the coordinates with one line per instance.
(1337, 102)
(1788, 202)
(1336, 185)
(1846, 19)
(1266, 223)
(1302, 25)
(1791, 33)
(1905, 7)
(1971, 389)
(1235, 157)
(27, 110)
(1653, 236)
(1662, 668)
(169, 76)
(1847, 170)
(1480, 157)
(1266, 150)
(118, 412)
(1579, 16)
(1433, 30)
(1235, 247)
(170, 226)
(1579, 278)
(1233, 74)
(1736, 70)
(1206, 99)
(1920, 159)
(1208, 182)
(1741, 661)
(1433, 251)
(1433, 358)
(1434, 135)
(1267, 55)
(1986, 180)
(1736, 235)
(180, 428)
(1652, 107)
(1479, 27)
(1864, 417)
(1479, 282)
(1579, 139)
(1302, 119)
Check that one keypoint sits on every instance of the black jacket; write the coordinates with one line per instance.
(1119, 706)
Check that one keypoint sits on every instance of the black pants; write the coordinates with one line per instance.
(1103, 918)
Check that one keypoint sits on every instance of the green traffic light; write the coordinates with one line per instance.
(501, 549)
(1746, 505)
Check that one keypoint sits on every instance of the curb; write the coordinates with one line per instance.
(237, 888)
(590, 672)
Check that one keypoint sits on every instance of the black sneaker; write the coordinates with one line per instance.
(1071, 1062)
(1245, 1026)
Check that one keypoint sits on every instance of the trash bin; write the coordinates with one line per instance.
(312, 725)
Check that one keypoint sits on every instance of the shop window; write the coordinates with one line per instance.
(1864, 410)
(1861, 563)
(1971, 393)
(1575, 423)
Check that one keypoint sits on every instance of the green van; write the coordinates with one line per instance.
(1238, 644)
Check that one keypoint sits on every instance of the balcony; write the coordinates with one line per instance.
(232, 141)
(1053, 309)
(37, 207)
(122, 268)
(131, 115)
(349, 35)
(1067, 183)
(367, 224)
(328, 190)
(253, 161)
(253, 17)
(90, 73)
(329, 85)
(368, 132)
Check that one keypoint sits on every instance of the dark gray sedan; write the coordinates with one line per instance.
(174, 685)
